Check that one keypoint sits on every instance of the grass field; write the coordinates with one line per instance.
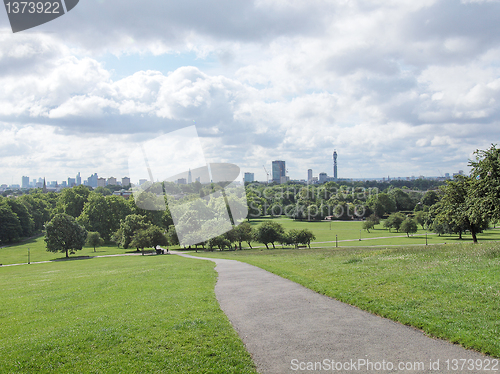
(348, 234)
(449, 291)
(151, 314)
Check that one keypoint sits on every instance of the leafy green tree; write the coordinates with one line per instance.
(269, 232)
(430, 198)
(64, 234)
(38, 208)
(94, 239)
(394, 221)
(103, 191)
(172, 235)
(460, 208)
(156, 236)
(24, 216)
(381, 204)
(72, 200)
(421, 218)
(402, 200)
(409, 226)
(305, 236)
(140, 239)
(10, 227)
(128, 227)
(483, 199)
(244, 233)
(368, 225)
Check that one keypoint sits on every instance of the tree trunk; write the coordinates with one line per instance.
(473, 233)
(460, 235)
(67, 254)
(94, 248)
(249, 245)
(266, 246)
(273, 245)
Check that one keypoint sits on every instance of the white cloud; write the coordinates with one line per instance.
(387, 83)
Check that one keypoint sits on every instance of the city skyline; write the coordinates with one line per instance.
(398, 88)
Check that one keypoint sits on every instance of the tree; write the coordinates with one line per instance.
(421, 218)
(128, 227)
(94, 239)
(305, 236)
(10, 227)
(409, 226)
(483, 200)
(394, 221)
(269, 232)
(368, 225)
(24, 216)
(244, 233)
(64, 234)
(72, 200)
(156, 236)
(461, 208)
(103, 214)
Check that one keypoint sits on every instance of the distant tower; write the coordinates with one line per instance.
(309, 175)
(190, 178)
(335, 164)
(44, 189)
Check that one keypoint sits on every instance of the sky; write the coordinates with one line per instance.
(397, 87)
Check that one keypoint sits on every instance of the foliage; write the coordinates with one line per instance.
(10, 227)
(128, 227)
(64, 234)
(409, 226)
(394, 221)
(269, 232)
(94, 239)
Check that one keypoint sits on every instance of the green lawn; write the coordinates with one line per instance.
(349, 232)
(151, 314)
(450, 291)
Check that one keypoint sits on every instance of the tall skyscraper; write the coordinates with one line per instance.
(279, 171)
(190, 177)
(26, 182)
(249, 177)
(125, 181)
(92, 180)
(309, 175)
(78, 179)
(335, 164)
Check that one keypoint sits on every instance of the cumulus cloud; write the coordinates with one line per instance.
(399, 85)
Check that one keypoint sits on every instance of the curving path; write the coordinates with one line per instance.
(288, 328)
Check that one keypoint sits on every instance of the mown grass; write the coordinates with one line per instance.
(18, 253)
(151, 314)
(449, 291)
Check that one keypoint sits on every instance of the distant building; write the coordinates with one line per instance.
(335, 164)
(322, 177)
(63, 184)
(125, 181)
(309, 175)
(25, 182)
(249, 177)
(190, 178)
(78, 179)
(124, 193)
(92, 180)
(181, 181)
(279, 171)
(71, 182)
(111, 181)
(101, 182)
(198, 179)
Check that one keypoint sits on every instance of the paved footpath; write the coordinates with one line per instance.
(288, 328)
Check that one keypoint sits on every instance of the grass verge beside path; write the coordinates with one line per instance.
(449, 291)
(151, 314)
